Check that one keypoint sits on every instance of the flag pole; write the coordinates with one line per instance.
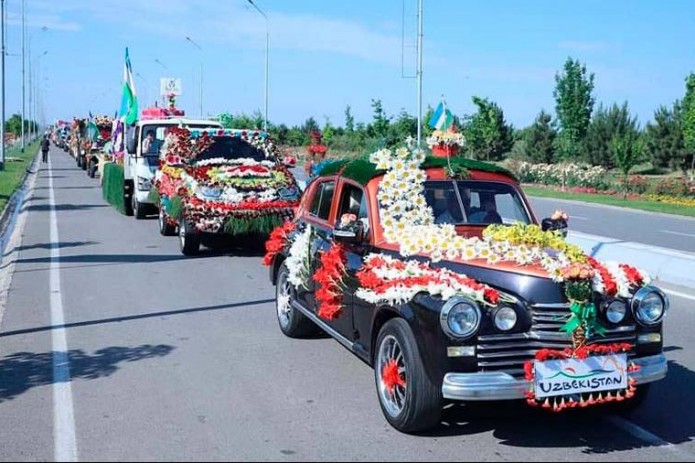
(419, 76)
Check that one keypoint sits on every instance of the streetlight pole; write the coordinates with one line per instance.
(267, 49)
(419, 74)
(2, 84)
(37, 81)
(147, 84)
(166, 69)
(24, 33)
(201, 73)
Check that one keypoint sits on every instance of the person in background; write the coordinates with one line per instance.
(45, 146)
(147, 142)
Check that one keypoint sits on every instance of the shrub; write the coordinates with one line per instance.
(637, 184)
(670, 187)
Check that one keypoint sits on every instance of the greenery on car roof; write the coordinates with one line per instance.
(362, 170)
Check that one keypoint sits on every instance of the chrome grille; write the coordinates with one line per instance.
(508, 352)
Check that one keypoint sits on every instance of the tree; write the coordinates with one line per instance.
(688, 121)
(349, 120)
(664, 143)
(328, 132)
(605, 126)
(380, 122)
(405, 126)
(14, 125)
(487, 134)
(540, 140)
(574, 104)
(627, 152)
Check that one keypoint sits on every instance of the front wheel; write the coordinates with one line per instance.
(138, 209)
(165, 226)
(410, 401)
(189, 238)
(92, 169)
(293, 323)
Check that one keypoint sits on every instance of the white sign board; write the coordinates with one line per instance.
(170, 86)
(574, 376)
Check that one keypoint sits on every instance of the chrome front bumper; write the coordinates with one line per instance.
(502, 386)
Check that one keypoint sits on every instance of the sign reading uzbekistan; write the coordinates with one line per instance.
(170, 86)
(574, 376)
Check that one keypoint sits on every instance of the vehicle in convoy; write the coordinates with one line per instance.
(140, 166)
(439, 276)
(222, 182)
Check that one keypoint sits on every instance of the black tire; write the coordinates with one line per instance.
(292, 322)
(92, 169)
(421, 405)
(139, 209)
(165, 228)
(83, 163)
(78, 161)
(189, 238)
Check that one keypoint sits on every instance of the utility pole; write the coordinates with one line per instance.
(201, 72)
(419, 73)
(267, 50)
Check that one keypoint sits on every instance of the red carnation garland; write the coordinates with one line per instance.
(633, 275)
(330, 275)
(581, 353)
(278, 240)
(611, 287)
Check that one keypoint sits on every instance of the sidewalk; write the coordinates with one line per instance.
(663, 264)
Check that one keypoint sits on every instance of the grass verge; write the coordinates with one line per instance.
(641, 204)
(16, 165)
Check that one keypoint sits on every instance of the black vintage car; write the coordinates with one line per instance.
(427, 349)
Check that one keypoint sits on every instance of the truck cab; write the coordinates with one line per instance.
(140, 166)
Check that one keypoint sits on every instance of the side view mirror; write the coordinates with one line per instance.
(131, 145)
(560, 225)
(349, 230)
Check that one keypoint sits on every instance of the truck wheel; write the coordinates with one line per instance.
(78, 160)
(165, 228)
(92, 169)
(83, 163)
(293, 323)
(410, 401)
(138, 209)
(189, 238)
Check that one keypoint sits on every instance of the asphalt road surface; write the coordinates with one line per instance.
(172, 358)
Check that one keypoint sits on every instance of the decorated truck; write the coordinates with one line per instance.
(437, 273)
(141, 160)
(222, 182)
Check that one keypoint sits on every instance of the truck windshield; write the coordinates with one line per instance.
(230, 148)
(475, 203)
(159, 132)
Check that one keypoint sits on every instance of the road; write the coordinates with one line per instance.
(173, 358)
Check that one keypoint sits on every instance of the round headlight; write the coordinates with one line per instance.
(649, 305)
(505, 318)
(616, 311)
(460, 318)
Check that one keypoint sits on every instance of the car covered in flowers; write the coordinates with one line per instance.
(221, 182)
(437, 273)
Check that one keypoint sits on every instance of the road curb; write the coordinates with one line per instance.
(14, 205)
(663, 264)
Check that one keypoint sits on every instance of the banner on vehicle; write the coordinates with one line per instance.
(576, 376)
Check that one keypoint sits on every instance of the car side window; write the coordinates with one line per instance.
(354, 201)
(321, 204)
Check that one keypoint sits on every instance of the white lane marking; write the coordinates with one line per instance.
(642, 434)
(578, 217)
(690, 235)
(678, 294)
(64, 440)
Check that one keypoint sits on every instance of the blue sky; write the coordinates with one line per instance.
(327, 54)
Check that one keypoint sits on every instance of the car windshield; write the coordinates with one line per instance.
(159, 133)
(475, 203)
(231, 148)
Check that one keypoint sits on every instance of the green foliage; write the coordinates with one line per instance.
(540, 140)
(175, 206)
(604, 128)
(380, 122)
(263, 224)
(154, 195)
(664, 142)
(574, 104)
(349, 120)
(688, 120)
(627, 153)
(487, 134)
(14, 125)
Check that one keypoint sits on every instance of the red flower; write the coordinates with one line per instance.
(279, 238)
(491, 295)
(390, 377)
(329, 274)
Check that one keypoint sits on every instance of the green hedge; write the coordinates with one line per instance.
(113, 185)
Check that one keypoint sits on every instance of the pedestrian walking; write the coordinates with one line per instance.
(45, 146)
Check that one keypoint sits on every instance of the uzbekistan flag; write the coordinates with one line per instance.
(442, 118)
(129, 101)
